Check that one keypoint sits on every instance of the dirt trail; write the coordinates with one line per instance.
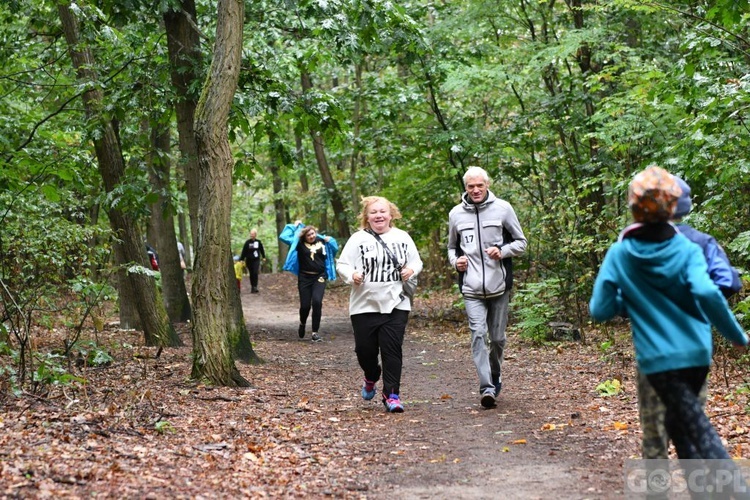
(445, 445)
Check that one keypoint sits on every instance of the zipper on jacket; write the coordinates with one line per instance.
(481, 257)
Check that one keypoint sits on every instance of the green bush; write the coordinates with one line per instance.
(536, 305)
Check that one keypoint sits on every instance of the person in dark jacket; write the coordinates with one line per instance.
(311, 259)
(252, 253)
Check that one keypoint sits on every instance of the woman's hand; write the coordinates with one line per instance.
(406, 273)
(358, 278)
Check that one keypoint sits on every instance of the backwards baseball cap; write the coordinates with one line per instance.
(653, 194)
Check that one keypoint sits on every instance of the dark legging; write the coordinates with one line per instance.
(311, 288)
(383, 334)
(253, 266)
(687, 425)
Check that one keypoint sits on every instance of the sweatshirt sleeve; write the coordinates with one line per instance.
(516, 247)
(453, 242)
(345, 266)
(720, 269)
(414, 260)
(711, 300)
(605, 300)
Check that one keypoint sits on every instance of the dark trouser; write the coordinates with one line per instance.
(687, 425)
(311, 288)
(253, 266)
(380, 333)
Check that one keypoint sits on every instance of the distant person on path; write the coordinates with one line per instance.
(378, 308)
(153, 257)
(181, 251)
(659, 279)
(483, 235)
(655, 442)
(239, 267)
(252, 253)
(311, 258)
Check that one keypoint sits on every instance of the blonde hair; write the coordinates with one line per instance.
(305, 230)
(367, 201)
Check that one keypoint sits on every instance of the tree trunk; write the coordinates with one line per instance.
(129, 318)
(161, 230)
(279, 207)
(325, 171)
(156, 327)
(183, 44)
(212, 299)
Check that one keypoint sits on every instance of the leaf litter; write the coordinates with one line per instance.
(141, 428)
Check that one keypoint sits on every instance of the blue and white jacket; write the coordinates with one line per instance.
(290, 236)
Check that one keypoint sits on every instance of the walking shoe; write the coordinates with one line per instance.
(254, 290)
(393, 404)
(301, 331)
(368, 390)
(316, 337)
(488, 398)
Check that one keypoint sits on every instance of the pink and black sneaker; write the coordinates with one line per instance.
(393, 404)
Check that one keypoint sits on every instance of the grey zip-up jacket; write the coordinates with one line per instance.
(472, 228)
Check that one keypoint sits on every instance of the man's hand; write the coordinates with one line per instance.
(462, 263)
(494, 253)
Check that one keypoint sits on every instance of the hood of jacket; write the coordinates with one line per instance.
(470, 206)
(659, 263)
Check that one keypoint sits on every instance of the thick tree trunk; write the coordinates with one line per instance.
(213, 312)
(156, 327)
(183, 45)
(129, 317)
(161, 230)
(325, 171)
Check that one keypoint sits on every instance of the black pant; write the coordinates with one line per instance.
(688, 426)
(253, 266)
(383, 334)
(311, 288)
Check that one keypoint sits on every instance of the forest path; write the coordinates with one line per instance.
(445, 445)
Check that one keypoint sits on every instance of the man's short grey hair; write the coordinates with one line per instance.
(476, 172)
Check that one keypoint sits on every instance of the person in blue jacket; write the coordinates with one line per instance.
(659, 279)
(311, 258)
(654, 439)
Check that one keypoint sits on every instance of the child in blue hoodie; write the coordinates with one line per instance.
(659, 279)
(655, 442)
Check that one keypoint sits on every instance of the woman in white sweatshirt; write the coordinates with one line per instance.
(377, 261)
